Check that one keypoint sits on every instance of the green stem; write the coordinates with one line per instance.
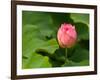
(66, 56)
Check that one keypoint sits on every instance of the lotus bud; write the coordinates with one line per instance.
(66, 35)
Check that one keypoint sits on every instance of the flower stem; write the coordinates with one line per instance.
(66, 56)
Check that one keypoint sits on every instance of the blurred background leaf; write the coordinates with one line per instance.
(49, 46)
(82, 31)
(79, 17)
(79, 54)
(72, 63)
(36, 61)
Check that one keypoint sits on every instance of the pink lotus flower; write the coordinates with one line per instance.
(67, 35)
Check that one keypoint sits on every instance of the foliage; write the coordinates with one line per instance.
(40, 48)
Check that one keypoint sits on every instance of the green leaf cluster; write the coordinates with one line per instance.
(40, 48)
